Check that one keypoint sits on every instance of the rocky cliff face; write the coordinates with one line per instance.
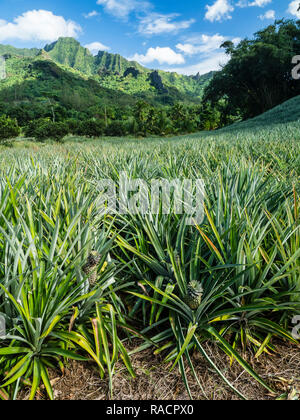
(156, 81)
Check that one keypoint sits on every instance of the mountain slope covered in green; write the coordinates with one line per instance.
(69, 52)
(105, 77)
(116, 72)
(40, 88)
(21, 52)
(287, 112)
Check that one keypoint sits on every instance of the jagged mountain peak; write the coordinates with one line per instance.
(116, 63)
(69, 52)
(63, 41)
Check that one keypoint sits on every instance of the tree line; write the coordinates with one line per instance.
(141, 120)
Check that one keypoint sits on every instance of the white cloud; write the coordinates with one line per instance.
(163, 55)
(95, 47)
(257, 3)
(156, 23)
(209, 52)
(294, 9)
(270, 14)
(91, 14)
(204, 44)
(38, 25)
(123, 8)
(189, 49)
(260, 3)
(210, 57)
(213, 63)
(219, 11)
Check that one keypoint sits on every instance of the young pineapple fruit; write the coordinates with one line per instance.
(91, 267)
(194, 296)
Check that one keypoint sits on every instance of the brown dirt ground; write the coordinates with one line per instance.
(154, 381)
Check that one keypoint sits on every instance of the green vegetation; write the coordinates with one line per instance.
(112, 72)
(241, 265)
(115, 63)
(8, 129)
(64, 82)
(44, 129)
(259, 74)
(287, 112)
(104, 76)
(8, 50)
(68, 52)
(78, 283)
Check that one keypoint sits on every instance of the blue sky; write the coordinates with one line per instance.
(173, 35)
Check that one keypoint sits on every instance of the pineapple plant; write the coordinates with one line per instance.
(194, 296)
(91, 267)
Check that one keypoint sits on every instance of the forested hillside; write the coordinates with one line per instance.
(110, 71)
(106, 94)
(258, 75)
(65, 83)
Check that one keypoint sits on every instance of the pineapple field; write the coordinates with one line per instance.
(100, 289)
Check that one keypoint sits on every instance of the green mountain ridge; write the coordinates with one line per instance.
(20, 52)
(69, 52)
(111, 67)
(116, 63)
(64, 80)
(112, 71)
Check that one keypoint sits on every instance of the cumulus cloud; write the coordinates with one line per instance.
(257, 3)
(206, 49)
(95, 47)
(213, 63)
(220, 10)
(163, 55)
(293, 9)
(202, 44)
(260, 3)
(123, 8)
(205, 44)
(270, 14)
(38, 25)
(209, 54)
(156, 23)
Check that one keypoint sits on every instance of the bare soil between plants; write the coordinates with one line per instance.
(154, 381)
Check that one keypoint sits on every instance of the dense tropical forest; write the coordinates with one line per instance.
(64, 89)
